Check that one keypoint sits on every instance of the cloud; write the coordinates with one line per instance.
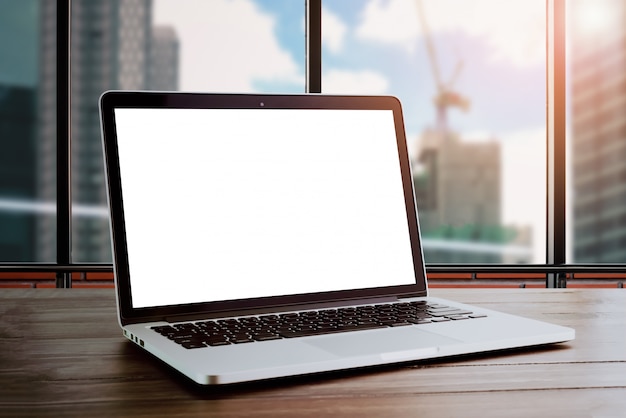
(515, 30)
(226, 45)
(334, 31)
(354, 82)
(393, 22)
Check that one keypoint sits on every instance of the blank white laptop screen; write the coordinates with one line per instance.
(224, 204)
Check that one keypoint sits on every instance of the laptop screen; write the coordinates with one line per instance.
(231, 204)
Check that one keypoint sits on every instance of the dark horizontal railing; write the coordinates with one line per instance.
(55, 268)
(94, 275)
(526, 268)
(430, 268)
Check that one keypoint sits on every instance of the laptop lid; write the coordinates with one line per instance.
(231, 202)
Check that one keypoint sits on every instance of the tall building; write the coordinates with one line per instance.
(457, 189)
(110, 49)
(17, 176)
(598, 122)
(18, 78)
(46, 131)
(164, 59)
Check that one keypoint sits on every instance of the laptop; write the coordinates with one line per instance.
(261, 236)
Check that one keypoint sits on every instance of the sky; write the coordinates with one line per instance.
(378, 47)
(371, 47)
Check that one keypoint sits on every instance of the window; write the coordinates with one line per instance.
(597, 130)
(487, 148)
(471, 77)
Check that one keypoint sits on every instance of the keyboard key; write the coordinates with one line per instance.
(421, 321)
(217, 343)
(266, 337)
(192, 344)
(241, 340)
(440, 319)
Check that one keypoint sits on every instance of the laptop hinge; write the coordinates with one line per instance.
(413, 295)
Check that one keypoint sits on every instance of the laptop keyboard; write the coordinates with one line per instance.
(302, 324)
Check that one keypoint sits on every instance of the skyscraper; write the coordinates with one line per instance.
(164, 59)
(18, 78)
(17, 175)
(598, 120)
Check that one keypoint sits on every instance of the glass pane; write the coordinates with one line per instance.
(597, 130)
(190, 45)
(27, 131)
(471, 77)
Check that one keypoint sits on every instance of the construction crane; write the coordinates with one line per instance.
(445, 97)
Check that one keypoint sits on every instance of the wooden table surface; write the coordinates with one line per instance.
(62, 354)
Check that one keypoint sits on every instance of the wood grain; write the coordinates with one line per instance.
(62, 354)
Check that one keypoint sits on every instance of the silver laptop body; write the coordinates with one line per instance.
(262, 236)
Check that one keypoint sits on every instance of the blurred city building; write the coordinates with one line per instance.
(457, 190)
(17, 177)
(458, 183)
(18, 78)
(597, 33)
(164, 65)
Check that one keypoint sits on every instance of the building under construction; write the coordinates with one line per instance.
(457, 188)
(458, 185)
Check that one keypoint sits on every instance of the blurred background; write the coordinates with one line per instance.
(471, 76)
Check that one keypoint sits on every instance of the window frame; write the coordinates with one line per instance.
(555, 268)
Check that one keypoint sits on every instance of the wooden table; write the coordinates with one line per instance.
(62, 354)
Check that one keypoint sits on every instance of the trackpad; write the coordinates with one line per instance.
(390, 343)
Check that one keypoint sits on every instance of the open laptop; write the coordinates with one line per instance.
(261, 236)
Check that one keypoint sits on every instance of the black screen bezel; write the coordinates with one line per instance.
(112, 100)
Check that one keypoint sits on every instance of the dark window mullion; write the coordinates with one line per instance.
(63, 182)
(313, 16)
(556, 163)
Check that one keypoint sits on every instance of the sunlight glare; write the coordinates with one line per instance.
(593, 16)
